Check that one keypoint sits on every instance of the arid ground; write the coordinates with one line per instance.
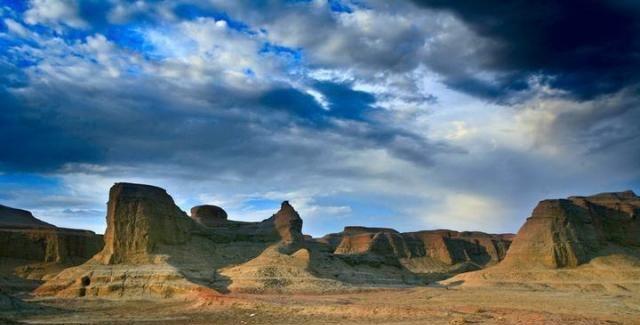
(425, 305)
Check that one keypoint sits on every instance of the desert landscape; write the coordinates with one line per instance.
(320, 162)
(574, 261)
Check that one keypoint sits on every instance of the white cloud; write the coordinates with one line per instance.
(467, 211)
(55, 13)
(16, 28)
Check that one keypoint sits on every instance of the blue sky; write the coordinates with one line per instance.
(405, 114)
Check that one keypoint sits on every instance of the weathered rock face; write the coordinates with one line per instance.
(567, 233)
(49, 245)
(363, 240)
(152, 248)
(139, 218)
(209, 215)
(288, 224)
(22, 236)
(444, 246)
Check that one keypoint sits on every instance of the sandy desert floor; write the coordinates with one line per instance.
(426, 305)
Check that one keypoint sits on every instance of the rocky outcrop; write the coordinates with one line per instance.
(209, 215)
(22, 236)
(374, 241)
(446, 246)
(152, 248)
(139, 219)
(49, 245)
(580, 243)
(570, 232)
(288, 224)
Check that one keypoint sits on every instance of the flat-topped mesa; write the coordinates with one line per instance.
(209, 215)
(24, 237)
(17, 218)
(139, 219)
(288, 224)
(569, 232)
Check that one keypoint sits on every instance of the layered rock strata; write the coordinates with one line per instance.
(444, 247)
(582, 242)
(152, 248)
(570, 232)
(22, 236)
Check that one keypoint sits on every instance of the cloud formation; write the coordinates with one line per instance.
(586, 48)
(404, 114)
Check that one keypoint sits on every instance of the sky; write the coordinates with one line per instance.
(412, 115)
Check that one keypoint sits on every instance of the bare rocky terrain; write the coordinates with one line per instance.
(574, 261)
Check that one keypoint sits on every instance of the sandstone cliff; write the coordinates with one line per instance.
(570, 232)
(22, 236)
(437, 251)
(32, 250)
(152, 248)
(139, 218)
(581, 242)
(288, 224)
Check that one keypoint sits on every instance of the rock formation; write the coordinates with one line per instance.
(49, 245)
(154, 248)
(209, 215)
(288, 224)
(139, 218)
(22, 236)
(421, 251)
(32, 250)
(570, 232)
(582, 241)
(16, 218)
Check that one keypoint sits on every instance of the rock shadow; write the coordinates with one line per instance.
(209, 251)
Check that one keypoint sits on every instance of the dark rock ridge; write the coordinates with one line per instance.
(570, 232)
(16, 218)
(22, 236)
(209, 215)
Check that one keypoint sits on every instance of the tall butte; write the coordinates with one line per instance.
(139, 218)
(288, 223)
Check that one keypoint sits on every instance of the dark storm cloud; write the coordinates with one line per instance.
(585, 47)
(32, 142)
(148, 120)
